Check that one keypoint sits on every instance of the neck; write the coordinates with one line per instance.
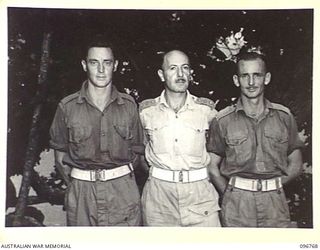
(175, 100)
(99, 96)
(253, 107)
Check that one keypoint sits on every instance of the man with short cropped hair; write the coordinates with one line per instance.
(95, 134)
(256, 147)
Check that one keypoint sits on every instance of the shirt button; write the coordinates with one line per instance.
(175, 140)
(206, 212)
(176, 116)
(103, 134)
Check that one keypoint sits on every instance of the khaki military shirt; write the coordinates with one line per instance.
(177, 141)
(254, 148)
(95, 139)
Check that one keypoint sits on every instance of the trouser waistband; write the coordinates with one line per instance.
(101, 174)
(183, 176)
(256, 185)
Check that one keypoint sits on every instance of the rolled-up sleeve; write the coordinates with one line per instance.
(137, 131)
(215, 141)
(59, 131)
(294, 140)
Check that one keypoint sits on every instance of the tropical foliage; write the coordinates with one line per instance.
(211, 39)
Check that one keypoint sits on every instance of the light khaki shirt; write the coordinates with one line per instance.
(177, 141)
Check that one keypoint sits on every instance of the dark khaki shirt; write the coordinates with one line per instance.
(95, 139)
(254, 148)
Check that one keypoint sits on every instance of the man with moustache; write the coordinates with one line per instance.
(95, 133)
(178, 192)
(257, 143)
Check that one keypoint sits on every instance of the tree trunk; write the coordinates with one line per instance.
(33, 141)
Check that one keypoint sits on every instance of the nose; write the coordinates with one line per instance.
(180, 72)
(251, 80)
(101, 68)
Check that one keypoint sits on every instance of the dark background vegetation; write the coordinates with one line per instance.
(140, 36)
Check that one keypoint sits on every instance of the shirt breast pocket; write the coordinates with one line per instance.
(120, 143)
(80, 141)
(239, 148)
(159, 137)
(276, 144)
(193, 138)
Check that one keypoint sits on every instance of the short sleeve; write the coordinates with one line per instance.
(294, 140)
(212, 114)
(58, 131)
(215, 142)
(137, 131)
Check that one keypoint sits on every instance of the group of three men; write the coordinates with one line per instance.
(247, 151)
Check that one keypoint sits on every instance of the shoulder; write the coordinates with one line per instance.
(225, 112)
(147, 104)
(70, 98)
(127, 98)
(204, 101)
(280, 107)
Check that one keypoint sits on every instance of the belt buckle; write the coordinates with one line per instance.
(99, 174)
(180, 176)
(259, 185)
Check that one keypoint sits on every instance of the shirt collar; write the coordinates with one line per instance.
(83, 95)
(189, 103)
(267, 106)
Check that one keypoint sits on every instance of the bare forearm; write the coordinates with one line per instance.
(214, 173)
(63, 169)
(219, 182)
(294, 167)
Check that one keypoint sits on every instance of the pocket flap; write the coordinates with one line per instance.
(236, 139)
(276, 135)
(123, 131)
(205, 209)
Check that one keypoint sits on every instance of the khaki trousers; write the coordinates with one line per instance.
(103, 203)
(180, 204)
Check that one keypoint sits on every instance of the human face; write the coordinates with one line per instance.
(175, 72)
(251, 78)
(99, 65)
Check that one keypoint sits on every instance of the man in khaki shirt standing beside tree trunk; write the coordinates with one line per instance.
(94, 134)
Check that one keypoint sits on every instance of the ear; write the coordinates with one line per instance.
(84, 65)
(190, 76)
(115, 65)
(160, 74)
(236, 80)
(267, 78)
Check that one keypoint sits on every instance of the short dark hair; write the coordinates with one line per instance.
(100, 42)
(252, 53)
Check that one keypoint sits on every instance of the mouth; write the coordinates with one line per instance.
(181, 80)
(101, 77)
(252, 89)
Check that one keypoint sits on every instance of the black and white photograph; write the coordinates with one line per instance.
(159, 119)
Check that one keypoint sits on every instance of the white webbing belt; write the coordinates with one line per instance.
(101, 174)
(255, 184)
(179, 176)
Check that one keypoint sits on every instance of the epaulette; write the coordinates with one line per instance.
(226, 111)
(128, 97)
(70, 98)
(205, 101)
(146, 104)
(280, 107)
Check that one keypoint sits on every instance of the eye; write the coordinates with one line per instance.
(244, 77)
(258, 75)
(172, 67)
(93, 63)
(108, 63)
(186, 67)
